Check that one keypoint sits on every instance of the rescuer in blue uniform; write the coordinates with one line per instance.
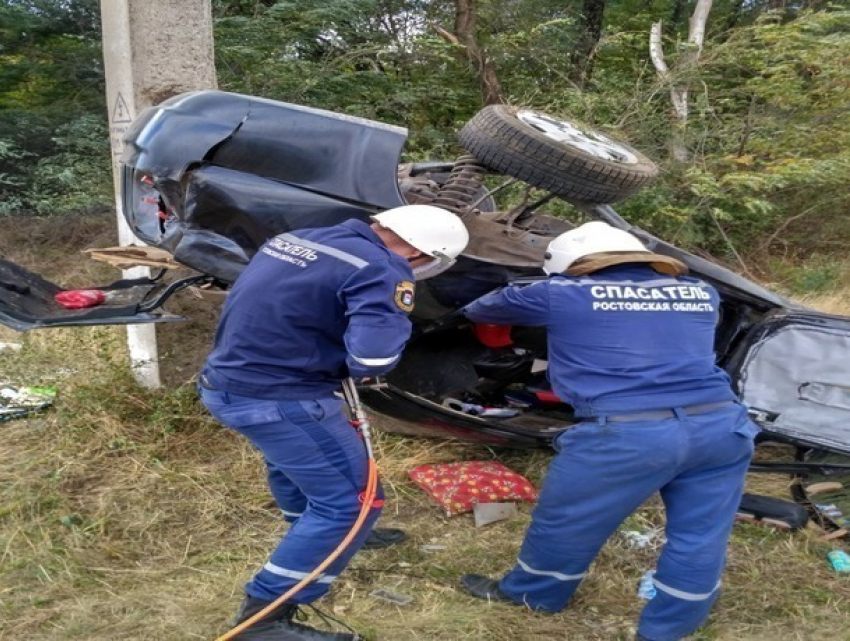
(631, 348)
(313, 307)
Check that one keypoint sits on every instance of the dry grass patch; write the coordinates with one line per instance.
(833, 303)
(129, 514)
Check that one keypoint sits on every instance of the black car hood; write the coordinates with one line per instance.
(349, 158)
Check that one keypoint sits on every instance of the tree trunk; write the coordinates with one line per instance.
(464, 36)
(679, 77)
(584, 53)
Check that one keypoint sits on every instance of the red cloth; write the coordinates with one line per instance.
(458, 487)
(80, 298)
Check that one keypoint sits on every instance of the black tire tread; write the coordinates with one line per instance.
(504, 144)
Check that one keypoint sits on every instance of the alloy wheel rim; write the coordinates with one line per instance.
(590, 142)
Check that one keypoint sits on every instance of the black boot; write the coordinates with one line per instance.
(383, 538)
(484, 587)
(279, 625)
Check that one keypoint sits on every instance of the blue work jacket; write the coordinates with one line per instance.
(623, 339)
(311, 308)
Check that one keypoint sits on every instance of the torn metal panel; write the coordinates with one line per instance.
(27, 301)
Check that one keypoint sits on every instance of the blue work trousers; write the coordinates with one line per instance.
(317, 469)
(602, 472)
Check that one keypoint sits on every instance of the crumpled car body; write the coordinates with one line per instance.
(209, 176)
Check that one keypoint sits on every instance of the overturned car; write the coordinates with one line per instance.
(209, 176)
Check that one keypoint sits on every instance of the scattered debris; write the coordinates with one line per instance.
(81, 298)
(771, 511)
(835, 515)
(133, 256)
(18, 402)
(646, 587)
(433, 548)
(839, 560)
(837, 534)
(482, 411)
(826, 493)
(13, 347)
(829, 509)
(650, 539)
(382, 594)
(486, 513)
(71, 520)
(208, 293)
(820, 488)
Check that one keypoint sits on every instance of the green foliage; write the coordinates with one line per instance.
(51, 90)
(10, 183)
(818, 274)
(772, 136)
(73, 179)
(767, 128)
(53, 160)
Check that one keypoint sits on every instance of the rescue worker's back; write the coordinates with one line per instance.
(304, 316)
(665, 358)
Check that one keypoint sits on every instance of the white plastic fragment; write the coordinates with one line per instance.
(396, 598)
(486, 513)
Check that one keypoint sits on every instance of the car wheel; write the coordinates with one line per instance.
(562, 157)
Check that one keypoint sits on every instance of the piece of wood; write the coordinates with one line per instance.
(838, 534)
(133, 256)
(821, 488)
(212, 295)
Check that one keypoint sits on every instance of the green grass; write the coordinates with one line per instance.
(128, 513)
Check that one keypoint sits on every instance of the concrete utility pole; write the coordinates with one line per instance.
(152, 50)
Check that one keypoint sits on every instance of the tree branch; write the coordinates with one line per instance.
(730, 245)
(465, 38)
(445, 35)
(656, 52)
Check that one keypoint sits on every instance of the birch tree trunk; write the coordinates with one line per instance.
(679, 76)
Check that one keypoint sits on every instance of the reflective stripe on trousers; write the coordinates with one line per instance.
(317, 468)
(602, 473)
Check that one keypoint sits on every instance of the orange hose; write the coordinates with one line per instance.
(368, 499)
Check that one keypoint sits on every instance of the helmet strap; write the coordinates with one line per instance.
(438, 265)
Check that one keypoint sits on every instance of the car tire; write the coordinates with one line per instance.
(560, 156)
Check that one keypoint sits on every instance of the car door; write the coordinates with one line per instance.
(793, 370)
(28, 301)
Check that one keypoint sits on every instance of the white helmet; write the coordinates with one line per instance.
(594, 237)
(432, 230)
